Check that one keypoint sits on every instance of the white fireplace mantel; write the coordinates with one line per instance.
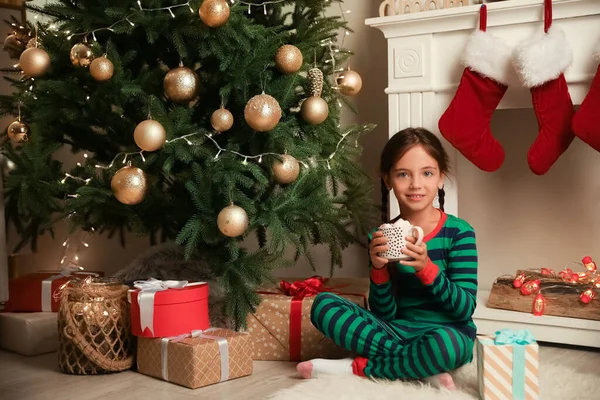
(424, 68)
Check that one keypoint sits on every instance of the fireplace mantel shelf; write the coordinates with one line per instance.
(424, 59)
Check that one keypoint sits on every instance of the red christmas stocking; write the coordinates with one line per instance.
(540, 63)
(586, 123)
(466, 122)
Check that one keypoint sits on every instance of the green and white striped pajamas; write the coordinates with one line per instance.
(427, 328)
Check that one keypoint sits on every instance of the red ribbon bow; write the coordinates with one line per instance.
(306, 288)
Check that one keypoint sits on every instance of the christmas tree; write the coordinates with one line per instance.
(204, 122)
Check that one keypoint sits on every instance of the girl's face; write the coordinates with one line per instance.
(415, 179)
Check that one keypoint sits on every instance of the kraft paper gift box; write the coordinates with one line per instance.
(196, 360)
(507, 366)
(281, 328)
(29, 334)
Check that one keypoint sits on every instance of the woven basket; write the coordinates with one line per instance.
(94, 332)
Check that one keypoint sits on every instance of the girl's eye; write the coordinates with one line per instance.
(428, 173)
(402, 175)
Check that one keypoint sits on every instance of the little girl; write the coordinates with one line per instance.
(420, 324)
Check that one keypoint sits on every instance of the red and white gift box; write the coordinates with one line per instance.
(162, 309)
(34, 292)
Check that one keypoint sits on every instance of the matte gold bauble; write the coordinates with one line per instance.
(181, 85)
(221, 120)
(129, 185)
(214, 13)
(349, 82)
(232, 221)
(34, 62)
(314, 110)
(262, 112)
(149, 135)
(81, 55)
(18, 132)
(288, 59)
(101, 69)
(287, 170)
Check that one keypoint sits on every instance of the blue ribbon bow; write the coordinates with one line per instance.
(509, 336)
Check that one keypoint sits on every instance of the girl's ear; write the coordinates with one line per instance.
(441, 182)
(386, 180)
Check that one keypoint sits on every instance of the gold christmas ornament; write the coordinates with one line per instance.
(314, 110)
(149, 135)
(181, 85)
(288, 59)
(221, 120)
(262, 112)
(13, 45)
(18, 131)
(349, 82)
(81, 55)
(315, 81)
(287, 170)
(101, 69)
(214, 13)
(232, 221)
(34, 62)
(129, 185)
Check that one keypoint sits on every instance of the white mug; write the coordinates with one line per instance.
(396, 236)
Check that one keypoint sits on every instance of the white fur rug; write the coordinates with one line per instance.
(556, 383)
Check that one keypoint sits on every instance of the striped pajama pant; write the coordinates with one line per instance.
(395, 349)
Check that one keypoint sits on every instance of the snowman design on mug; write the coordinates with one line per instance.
(396, 234)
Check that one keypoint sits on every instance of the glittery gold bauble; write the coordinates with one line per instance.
(221, 120)
(149, 135)
(181, 85)
(349, 82)
(129, 185)
(101, 69)
(18, 132)
(81, 55)
(287, 170)
(214, 13)
(34, 62)
(314, 110)
(315, 81)
(288, 59)
(262, 112)
(232, 221)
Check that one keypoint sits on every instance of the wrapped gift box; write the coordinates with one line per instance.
(197, 360)
(29, 334)
(281, 328)
(34, 292)
(507, 366)
(168, 308)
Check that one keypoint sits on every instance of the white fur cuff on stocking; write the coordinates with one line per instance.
(489, 56)
(543, 59)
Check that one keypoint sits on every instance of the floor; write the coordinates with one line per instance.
(29, 378)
